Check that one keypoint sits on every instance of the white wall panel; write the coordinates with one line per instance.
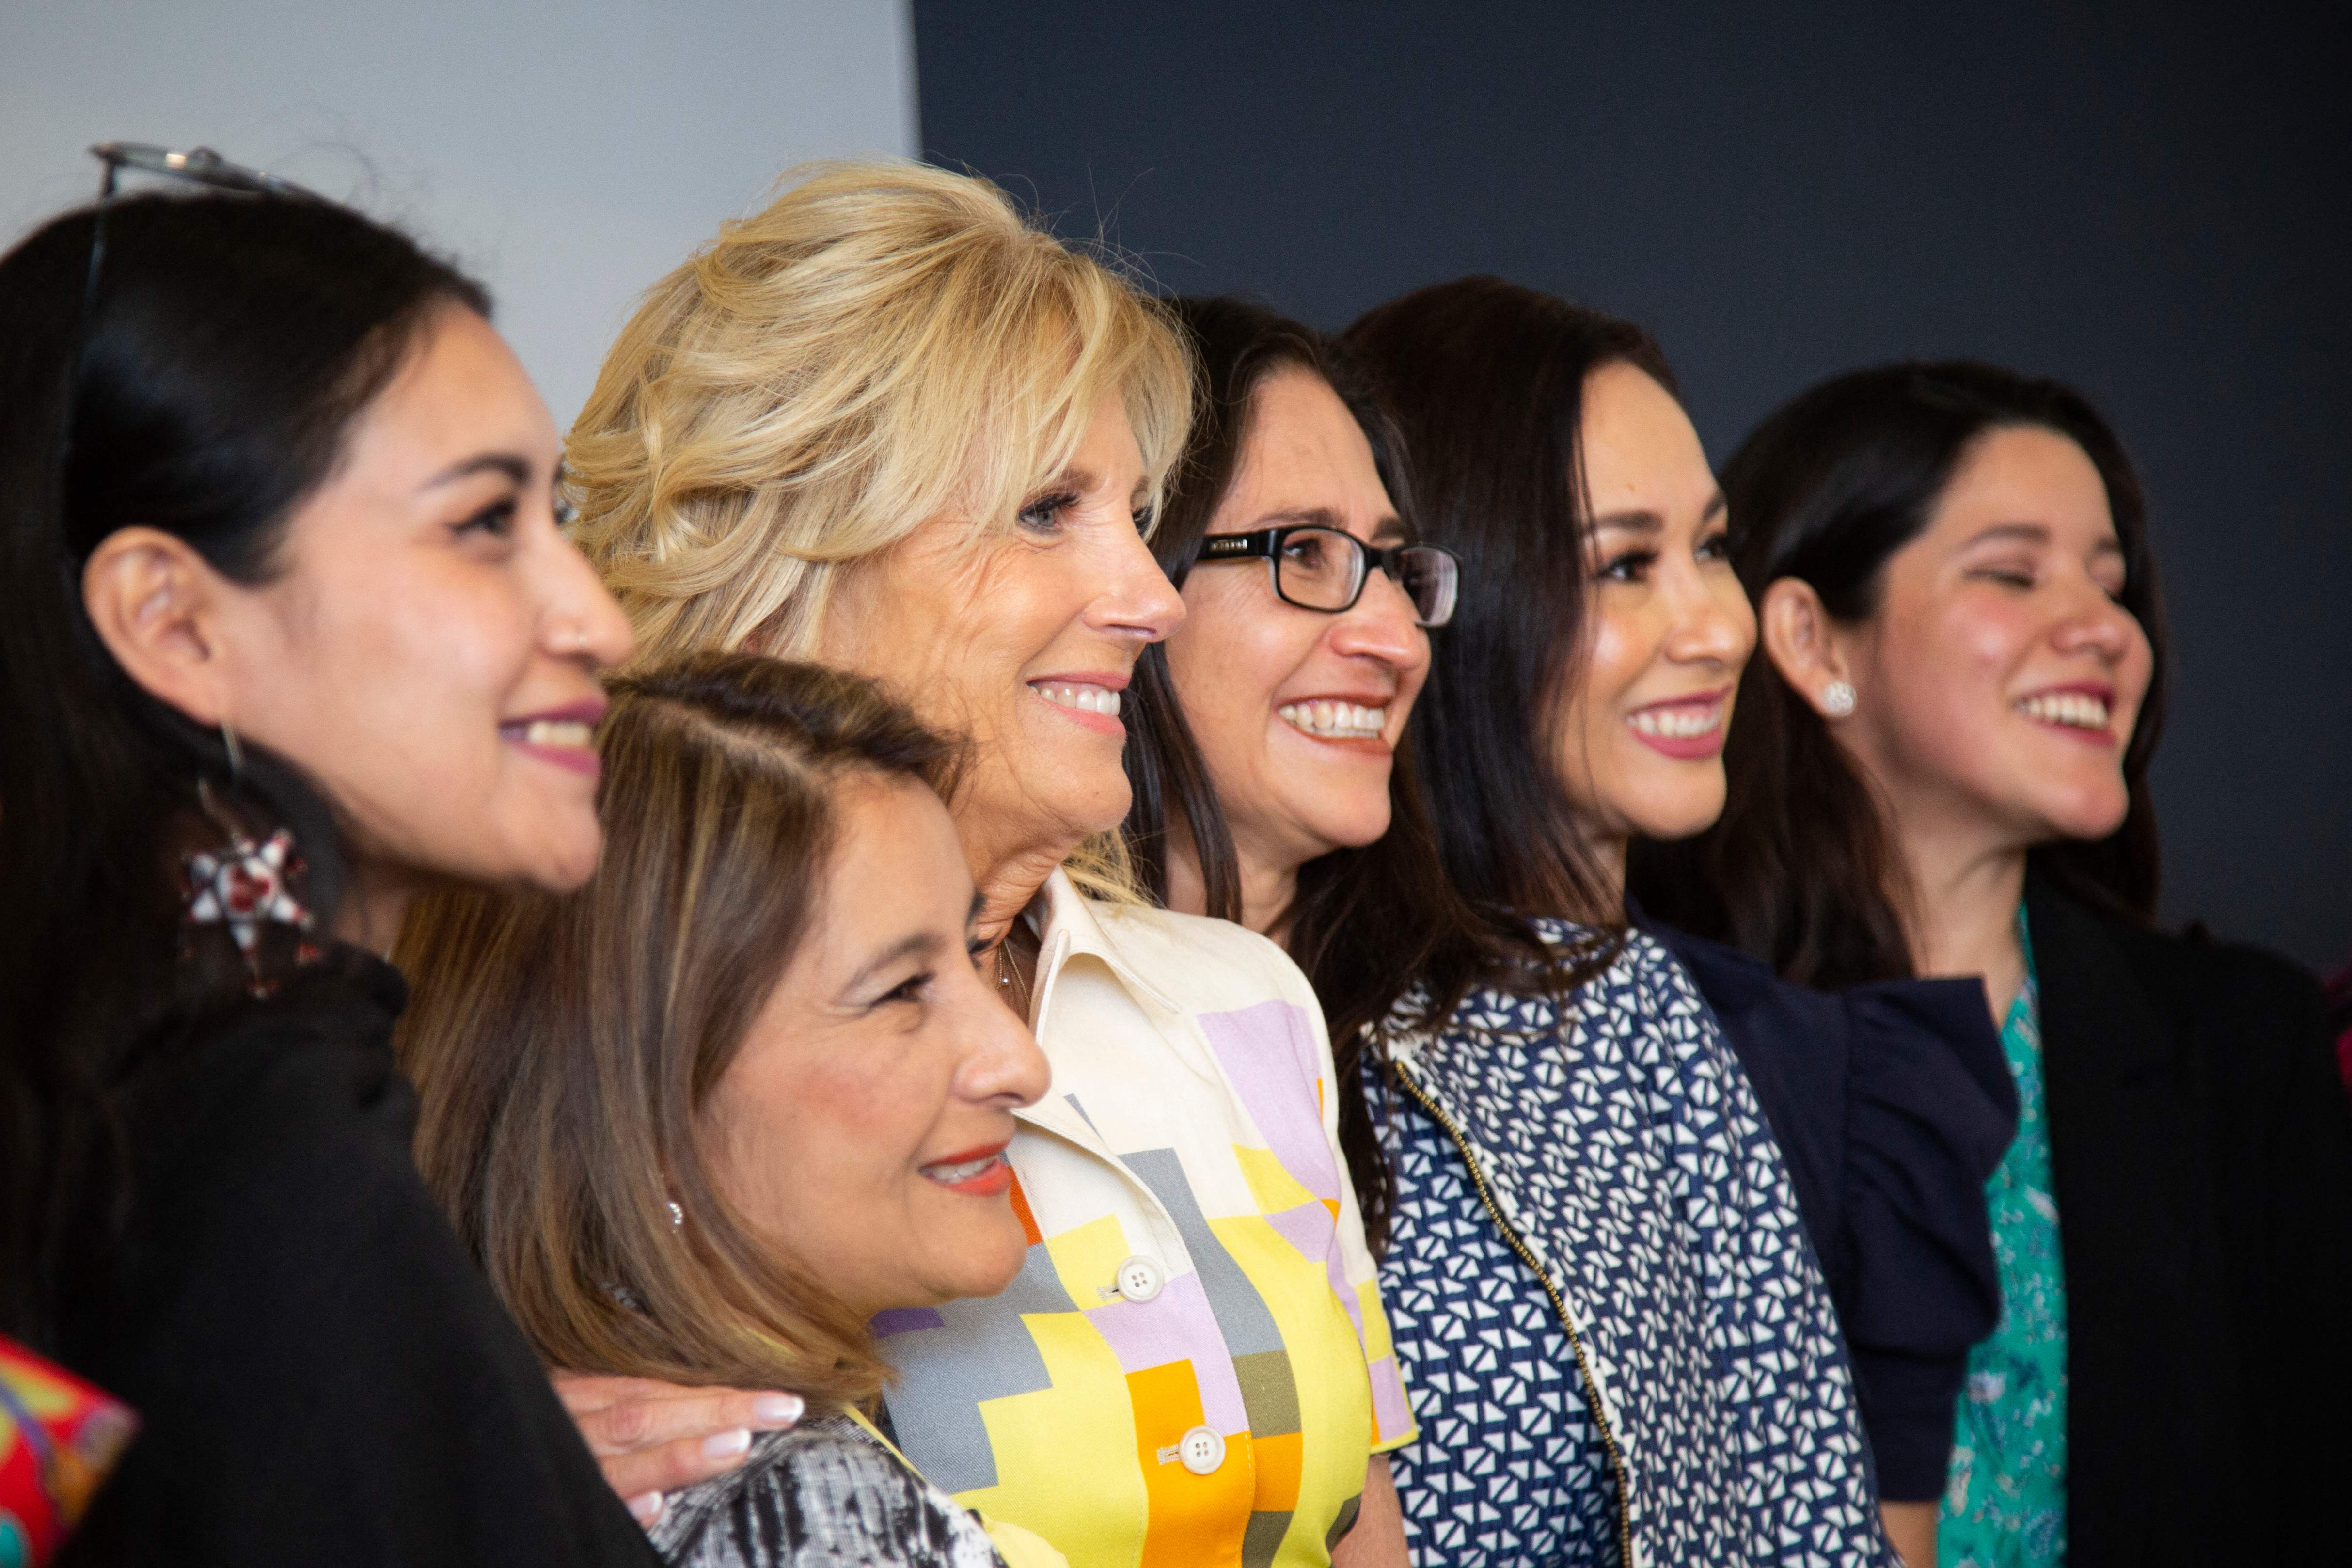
(567, 155)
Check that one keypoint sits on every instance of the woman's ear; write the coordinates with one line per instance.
(156, 604)
(1805, 645)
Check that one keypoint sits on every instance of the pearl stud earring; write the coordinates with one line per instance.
(1837, 700)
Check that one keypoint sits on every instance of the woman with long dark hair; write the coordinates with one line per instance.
(1581, 709)
(1619, 1347)
(1942, 769)
(288, 631)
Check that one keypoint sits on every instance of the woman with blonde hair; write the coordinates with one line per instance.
(887, 424)
(708, 1117)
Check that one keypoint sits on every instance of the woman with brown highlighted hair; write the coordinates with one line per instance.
(704, 1120)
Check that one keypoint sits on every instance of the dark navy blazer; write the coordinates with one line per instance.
(1892, 1104)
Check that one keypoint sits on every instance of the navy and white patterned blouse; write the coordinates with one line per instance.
(1703, 1411)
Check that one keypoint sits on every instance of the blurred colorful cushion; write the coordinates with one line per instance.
(58, 1438)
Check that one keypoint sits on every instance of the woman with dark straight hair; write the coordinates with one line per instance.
(1370, 922)
(287, 631)
(1582, 711)
(1942, 769)
(1621, 1351)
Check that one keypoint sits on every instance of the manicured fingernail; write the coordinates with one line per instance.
(648, 1508)
(783, 1409)
(727, 1444)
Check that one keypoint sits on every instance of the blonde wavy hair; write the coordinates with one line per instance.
(883, 345)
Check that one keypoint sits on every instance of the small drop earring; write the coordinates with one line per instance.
(1837, 700)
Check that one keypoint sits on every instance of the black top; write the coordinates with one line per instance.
(320, 1373)
(1892, 1104)
(2202, 1154)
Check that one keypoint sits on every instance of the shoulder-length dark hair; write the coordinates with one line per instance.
(1488, 380)
(197, 376)
(1802, 870)
(1370, 926)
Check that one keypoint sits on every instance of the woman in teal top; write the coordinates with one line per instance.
(1952, 723)
(2007, 1500)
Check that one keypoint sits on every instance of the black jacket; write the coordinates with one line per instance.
(2202, 1154)
(322, 1374)
(1892, 1104)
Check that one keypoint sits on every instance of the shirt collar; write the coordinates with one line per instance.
(1072, 925)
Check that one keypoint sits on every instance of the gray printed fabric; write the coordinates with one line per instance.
(825, 1495)
(1624, 1144)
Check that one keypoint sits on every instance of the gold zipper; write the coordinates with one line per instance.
(1575, 1343)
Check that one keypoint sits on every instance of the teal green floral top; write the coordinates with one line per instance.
(2005, 1500)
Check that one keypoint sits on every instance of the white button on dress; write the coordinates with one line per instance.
(1203, 1449)
(1139, 1278)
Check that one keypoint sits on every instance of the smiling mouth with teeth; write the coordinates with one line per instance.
(1336, 720)
(1677, 723)
(978, 1174)
(2071, 709)
(570, 734)
(1085, 698)
(965, 1172)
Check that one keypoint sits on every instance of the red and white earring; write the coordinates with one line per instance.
(243, 886)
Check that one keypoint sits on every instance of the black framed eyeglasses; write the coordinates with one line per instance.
(1318, 567)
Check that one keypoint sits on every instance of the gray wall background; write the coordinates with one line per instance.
(2150, 201)
(569, 154)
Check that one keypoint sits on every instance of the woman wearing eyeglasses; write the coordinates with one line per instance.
(1619, 1347)
(887, 424)
(287, 631)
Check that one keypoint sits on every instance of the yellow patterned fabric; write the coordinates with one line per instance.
(1193, 1367)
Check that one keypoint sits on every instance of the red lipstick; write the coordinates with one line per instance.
(994, 1178)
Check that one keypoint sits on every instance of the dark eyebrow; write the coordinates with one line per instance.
(920, 944)
(1391, 527)
(1643, 521)
(2011, 532)
(1636, 522)
(2037, 534)
(1302, 517)
(514, 468)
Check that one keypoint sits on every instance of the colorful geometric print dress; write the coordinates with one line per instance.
(2005, 1506)
(1193, 1366)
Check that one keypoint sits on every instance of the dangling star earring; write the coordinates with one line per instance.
(1837, 700)
(243, 886)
